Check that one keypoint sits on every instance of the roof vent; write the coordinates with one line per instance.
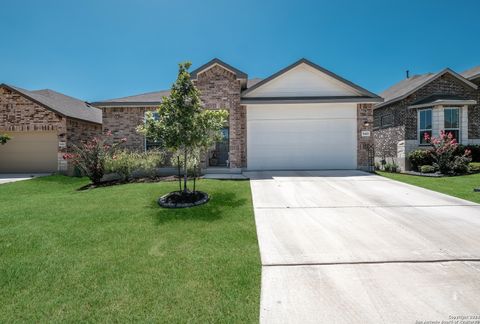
(407, 74)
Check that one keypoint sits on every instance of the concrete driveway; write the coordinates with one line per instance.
(14, 177)
(351, 247)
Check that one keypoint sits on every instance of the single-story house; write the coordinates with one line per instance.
(43, 125)
(427, 103)
(302, 117)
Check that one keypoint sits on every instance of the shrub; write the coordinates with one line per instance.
(391, 167)
(474, 166)
(427, 169)
(474, 149)
(460, 164)
(151, 161)
(4, 138)
(444, 154)
(125, 163)
(90, 156)
(419, 158)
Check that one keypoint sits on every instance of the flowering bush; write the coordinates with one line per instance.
(443, 152)
(90, 156)
(4, 138)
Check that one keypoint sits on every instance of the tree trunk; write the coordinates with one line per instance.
(194, 178)
(179, 174)
(185, 176)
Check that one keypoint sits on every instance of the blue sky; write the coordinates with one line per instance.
(98, 49)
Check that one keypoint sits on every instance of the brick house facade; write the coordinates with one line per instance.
(222, 86)
(22, 113)
(399, 135)
(310, 99)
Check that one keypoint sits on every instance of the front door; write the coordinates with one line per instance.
(219, 155)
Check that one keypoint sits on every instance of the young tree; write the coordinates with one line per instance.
(181, 124)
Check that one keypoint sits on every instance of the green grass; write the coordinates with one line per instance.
(458, 186)
(112, 255)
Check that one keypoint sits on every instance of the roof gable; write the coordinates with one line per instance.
(472, 73)
(406, 87)
(239, 74)
(304, 79)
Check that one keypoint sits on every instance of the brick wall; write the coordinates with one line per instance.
(78, 130)
(364, 143)
(19, 114)
(220, 89)
(405, 120)
(122, 122)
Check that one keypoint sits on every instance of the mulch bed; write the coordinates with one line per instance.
(121, 182)
(179, 199)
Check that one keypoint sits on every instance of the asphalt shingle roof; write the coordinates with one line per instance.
(62, 104)
(403, 87)
(149, 98)
(471, 73)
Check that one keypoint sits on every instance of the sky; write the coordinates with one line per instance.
(103, 49)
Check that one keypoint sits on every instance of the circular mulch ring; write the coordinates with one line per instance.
(178, 199)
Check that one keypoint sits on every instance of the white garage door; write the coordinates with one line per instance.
(29, 152)
(301, 136)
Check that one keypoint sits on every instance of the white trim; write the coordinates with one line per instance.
(444, 103)
(419, 130)
(459, 128)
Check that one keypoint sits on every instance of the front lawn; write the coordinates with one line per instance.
(458, 186)
(112, 255)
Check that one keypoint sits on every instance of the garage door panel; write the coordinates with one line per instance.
(29, 152)
(315, 139)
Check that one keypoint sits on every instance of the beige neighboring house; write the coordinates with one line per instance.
(43, 124)
(303, 117)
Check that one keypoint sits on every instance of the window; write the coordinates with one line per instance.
(376, 122)
(424, 124)
(387, 120)
(452, 121)
(150, 143)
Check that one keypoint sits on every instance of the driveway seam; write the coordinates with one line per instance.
(369, 262)
(370, 206)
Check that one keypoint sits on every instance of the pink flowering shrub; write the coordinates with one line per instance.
(90, 156)
(444, 154)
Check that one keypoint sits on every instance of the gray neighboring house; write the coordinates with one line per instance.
(426, 103)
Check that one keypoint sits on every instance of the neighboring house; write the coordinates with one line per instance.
(302, 117)
(426, 103)
(43, 124)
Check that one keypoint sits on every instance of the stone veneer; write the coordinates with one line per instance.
(19, 114)
(364, 143)
(393, 143)
(220, 89)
